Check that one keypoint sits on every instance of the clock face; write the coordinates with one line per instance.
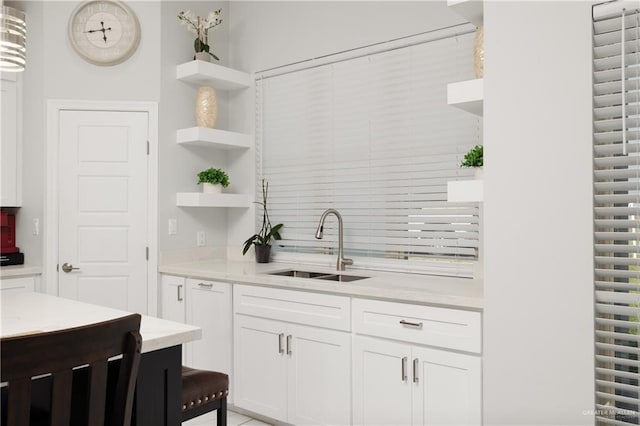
(104, 32)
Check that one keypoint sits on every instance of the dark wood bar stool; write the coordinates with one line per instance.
(204, 391)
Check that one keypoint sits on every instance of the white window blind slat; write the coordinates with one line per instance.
(617, 213)
(373, 137)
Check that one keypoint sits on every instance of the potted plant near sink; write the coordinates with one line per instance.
(262, 240)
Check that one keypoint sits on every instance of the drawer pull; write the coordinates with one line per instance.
(180, 293)
(206, 285)
(280, 343)
(411, 324)
(415, 370)
(289, 350)
(404, 369)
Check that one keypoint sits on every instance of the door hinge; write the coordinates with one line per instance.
(147, 252)
(148, 148)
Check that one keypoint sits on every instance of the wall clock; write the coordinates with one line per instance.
(104, 32)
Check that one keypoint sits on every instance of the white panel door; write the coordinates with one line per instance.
(102, 189)
(381, 382)
(448, 389)
(260, 366)
(319, 375)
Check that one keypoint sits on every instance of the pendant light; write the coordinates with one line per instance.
(13, 35)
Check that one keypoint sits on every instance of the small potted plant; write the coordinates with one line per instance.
(474, 158)
(262, 240)
(213, 180)
(200, 27)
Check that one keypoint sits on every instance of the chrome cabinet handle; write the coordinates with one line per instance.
(404, 369)
(206, 285)
(180, 293)
(280, 343)
(67, 267)
(411, 324)
(416, 361)
(289, 350)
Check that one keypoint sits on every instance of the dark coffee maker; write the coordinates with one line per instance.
(9, 253)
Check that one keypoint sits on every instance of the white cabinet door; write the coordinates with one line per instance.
(209, 307)
(448, 390)
(260, 363)
(319, 376)
(172, 293)
(382, 383)
(10, 143)
(18, 284)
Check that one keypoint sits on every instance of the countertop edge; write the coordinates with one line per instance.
(19, 271)
(393, 294)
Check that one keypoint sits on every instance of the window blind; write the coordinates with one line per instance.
(616, 64)
(372, 136)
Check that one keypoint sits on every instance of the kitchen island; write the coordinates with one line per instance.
(157, 400)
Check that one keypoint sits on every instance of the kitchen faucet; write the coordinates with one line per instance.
(342, 262)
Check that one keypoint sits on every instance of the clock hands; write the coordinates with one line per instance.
(103, 30)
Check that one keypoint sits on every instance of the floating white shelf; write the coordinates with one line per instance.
(214, 138)
(467, 95)
(465, 190)
(206, 73)
(471, 10)
(199, 199)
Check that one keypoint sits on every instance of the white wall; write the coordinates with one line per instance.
(538, 334)
(54, 71)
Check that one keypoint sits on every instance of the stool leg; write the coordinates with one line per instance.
(222, 413)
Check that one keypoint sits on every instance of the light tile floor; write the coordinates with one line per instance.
(233, 419)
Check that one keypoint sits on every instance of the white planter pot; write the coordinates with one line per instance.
(203, 56)
(210, 188)
(478, 173)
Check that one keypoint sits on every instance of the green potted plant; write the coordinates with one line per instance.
(474, 158)
(213, 180)
(262, 240)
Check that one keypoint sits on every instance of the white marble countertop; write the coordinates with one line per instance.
(19, 270)
(31, 312)
(414, 288)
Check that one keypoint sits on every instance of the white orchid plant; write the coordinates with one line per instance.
(200, 27)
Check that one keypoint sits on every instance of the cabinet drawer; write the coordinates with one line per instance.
(320, 310)
(18, 284)
(427, 325)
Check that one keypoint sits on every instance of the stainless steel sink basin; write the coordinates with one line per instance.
(318, 275)
(298, 274)
(341, 278)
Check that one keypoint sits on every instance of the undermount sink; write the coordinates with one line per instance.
(341, 278)
(318, 275)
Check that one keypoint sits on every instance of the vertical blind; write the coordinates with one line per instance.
(616, 64)
(372, 136)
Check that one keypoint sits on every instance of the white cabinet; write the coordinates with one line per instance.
(11, 140)
(422, 385)
(172, 296)
(206, 304)
(19, 284)
(209, 307)
(295, 373)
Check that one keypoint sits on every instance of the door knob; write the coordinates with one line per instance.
(67, 267)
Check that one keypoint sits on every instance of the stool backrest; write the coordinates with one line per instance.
(57, 353)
